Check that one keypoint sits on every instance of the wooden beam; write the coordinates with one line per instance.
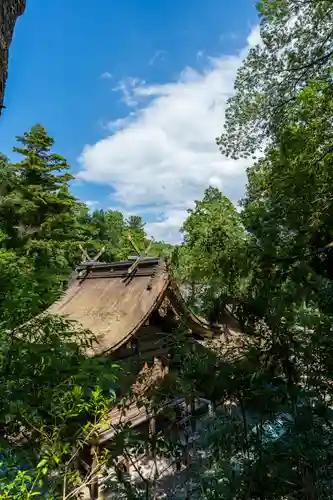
(97, 256)
(148, 247)
(141, 255)
(84, 253)
(133, 244)
(133, 266)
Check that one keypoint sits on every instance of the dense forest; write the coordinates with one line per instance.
(271, 262)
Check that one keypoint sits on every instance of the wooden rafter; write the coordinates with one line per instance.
(140, 254)
(85, 255)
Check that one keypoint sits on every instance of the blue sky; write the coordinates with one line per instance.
(134, 93)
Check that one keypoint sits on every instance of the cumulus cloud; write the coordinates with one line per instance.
(163, 154)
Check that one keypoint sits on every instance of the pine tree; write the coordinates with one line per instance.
(40, 194)
(39, 218)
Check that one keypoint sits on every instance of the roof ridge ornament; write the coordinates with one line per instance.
(88, 261)
(140, 255)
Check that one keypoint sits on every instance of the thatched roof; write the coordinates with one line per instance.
(113, 303)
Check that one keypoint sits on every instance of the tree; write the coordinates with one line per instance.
(53, 398)
(296, 48)
(282, 106)
(108, 230)
(39, 197)
(38, 215)
(161, 249)
(214, 239)
(135, 224)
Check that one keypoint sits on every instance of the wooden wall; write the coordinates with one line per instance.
(153, 340)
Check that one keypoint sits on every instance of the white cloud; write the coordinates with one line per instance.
(106, 75)
(167, 227)
(164, 154)
(119, 123)
(92, 204)
(254, 37)
(127, 86)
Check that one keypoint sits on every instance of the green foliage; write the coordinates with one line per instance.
(38, 202)
(52, 398)
(274, 261)
(39, 223)
(208, 260)
(134, 228)
(108, 229)
(296, 48)
(283, 106)
(161, 249)
(271, 434)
